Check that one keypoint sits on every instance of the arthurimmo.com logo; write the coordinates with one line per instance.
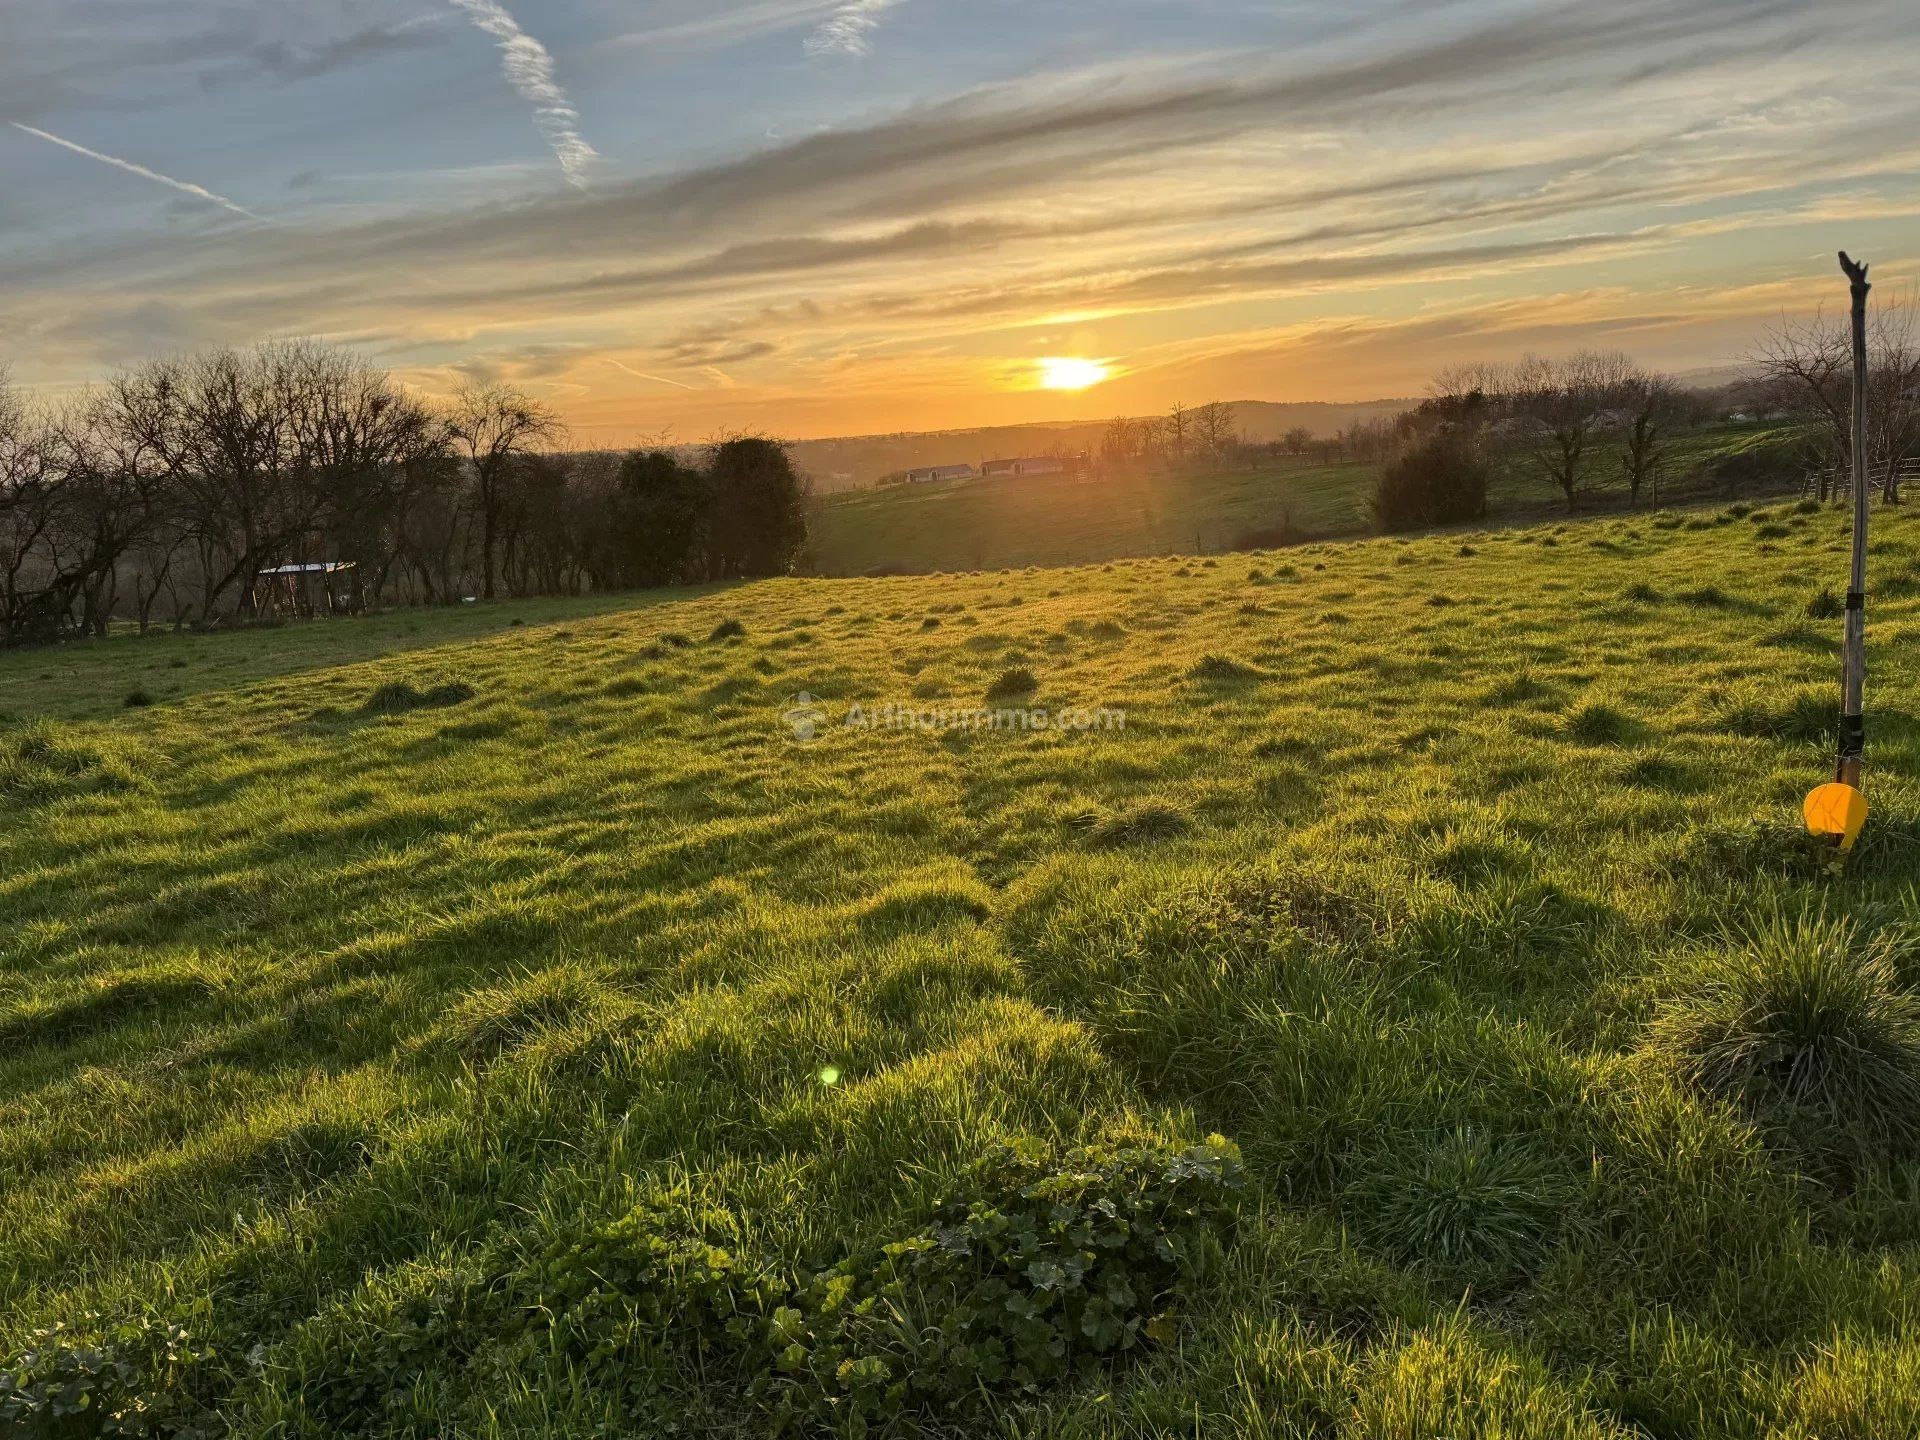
(807, 719)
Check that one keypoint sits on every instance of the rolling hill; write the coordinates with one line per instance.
(856, 462)
(1002, 522)
(1373, 989)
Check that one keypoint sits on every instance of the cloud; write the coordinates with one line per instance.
(529, 69)
(728, 25)
(1247, 191)
(198, 192)
(115, 57)
(305, 59)
(845, 31)
(643, 375)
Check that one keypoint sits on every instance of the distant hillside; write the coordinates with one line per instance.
(855, 462)
(1002, 523)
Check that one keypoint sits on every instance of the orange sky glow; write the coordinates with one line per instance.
(877, 222)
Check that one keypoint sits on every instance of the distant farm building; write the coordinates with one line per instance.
(1032, 465)
(930, 473)
(328, 587)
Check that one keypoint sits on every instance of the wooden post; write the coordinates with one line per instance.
(1853, 727)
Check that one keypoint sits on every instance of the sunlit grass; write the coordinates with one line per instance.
(367, 959)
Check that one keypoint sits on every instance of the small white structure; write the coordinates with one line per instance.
(1030, 465)
(326, 587)
(928, 474)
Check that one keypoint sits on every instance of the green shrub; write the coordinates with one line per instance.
(1805, 1023)
(1442, 480)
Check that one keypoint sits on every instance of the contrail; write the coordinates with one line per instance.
(845, 31)
(529, 69)
(657, 379)
(199, 192)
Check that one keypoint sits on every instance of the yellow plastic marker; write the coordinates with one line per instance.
(1839, 811)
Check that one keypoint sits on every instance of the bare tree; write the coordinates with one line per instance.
(374, 453)
(1651, 405)
(1803, 369)
(1371, 440)
(30, 498)
(1894, 399)
(1566, 405)
(493, 424)
(1215, 434)
(1124, 441)
(1177, 430)
(226, 427)
(1296, 440)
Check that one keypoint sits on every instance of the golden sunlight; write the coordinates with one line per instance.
(1061, 373)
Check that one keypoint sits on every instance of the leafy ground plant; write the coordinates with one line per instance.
(100, 1376)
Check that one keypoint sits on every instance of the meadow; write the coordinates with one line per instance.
(1424, 1016)
(1068, 520)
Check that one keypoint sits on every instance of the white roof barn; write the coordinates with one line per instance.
(1029, 465)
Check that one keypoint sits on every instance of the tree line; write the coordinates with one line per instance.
(163, 494)
(1575, 424)
(1597, 421)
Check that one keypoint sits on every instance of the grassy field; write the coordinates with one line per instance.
(1050, 520)
(530, 1031)
(984, 524)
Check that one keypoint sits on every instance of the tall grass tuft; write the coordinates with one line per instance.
(1463, 1206)
(1804, 1021)
(1012, 684)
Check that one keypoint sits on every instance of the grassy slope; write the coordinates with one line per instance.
(91, 679)
(972, 524)
(977, 524)
(305, 1009)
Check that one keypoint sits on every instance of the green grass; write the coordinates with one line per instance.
(977, 524)
(469, 1029)
(969, 525)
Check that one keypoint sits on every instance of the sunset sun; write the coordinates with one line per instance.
(1063, 373)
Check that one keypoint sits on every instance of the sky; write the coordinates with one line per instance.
(682, 218)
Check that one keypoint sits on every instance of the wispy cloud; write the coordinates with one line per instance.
(529, 69)
(199, 192)
(845, 31)
(643, 375)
